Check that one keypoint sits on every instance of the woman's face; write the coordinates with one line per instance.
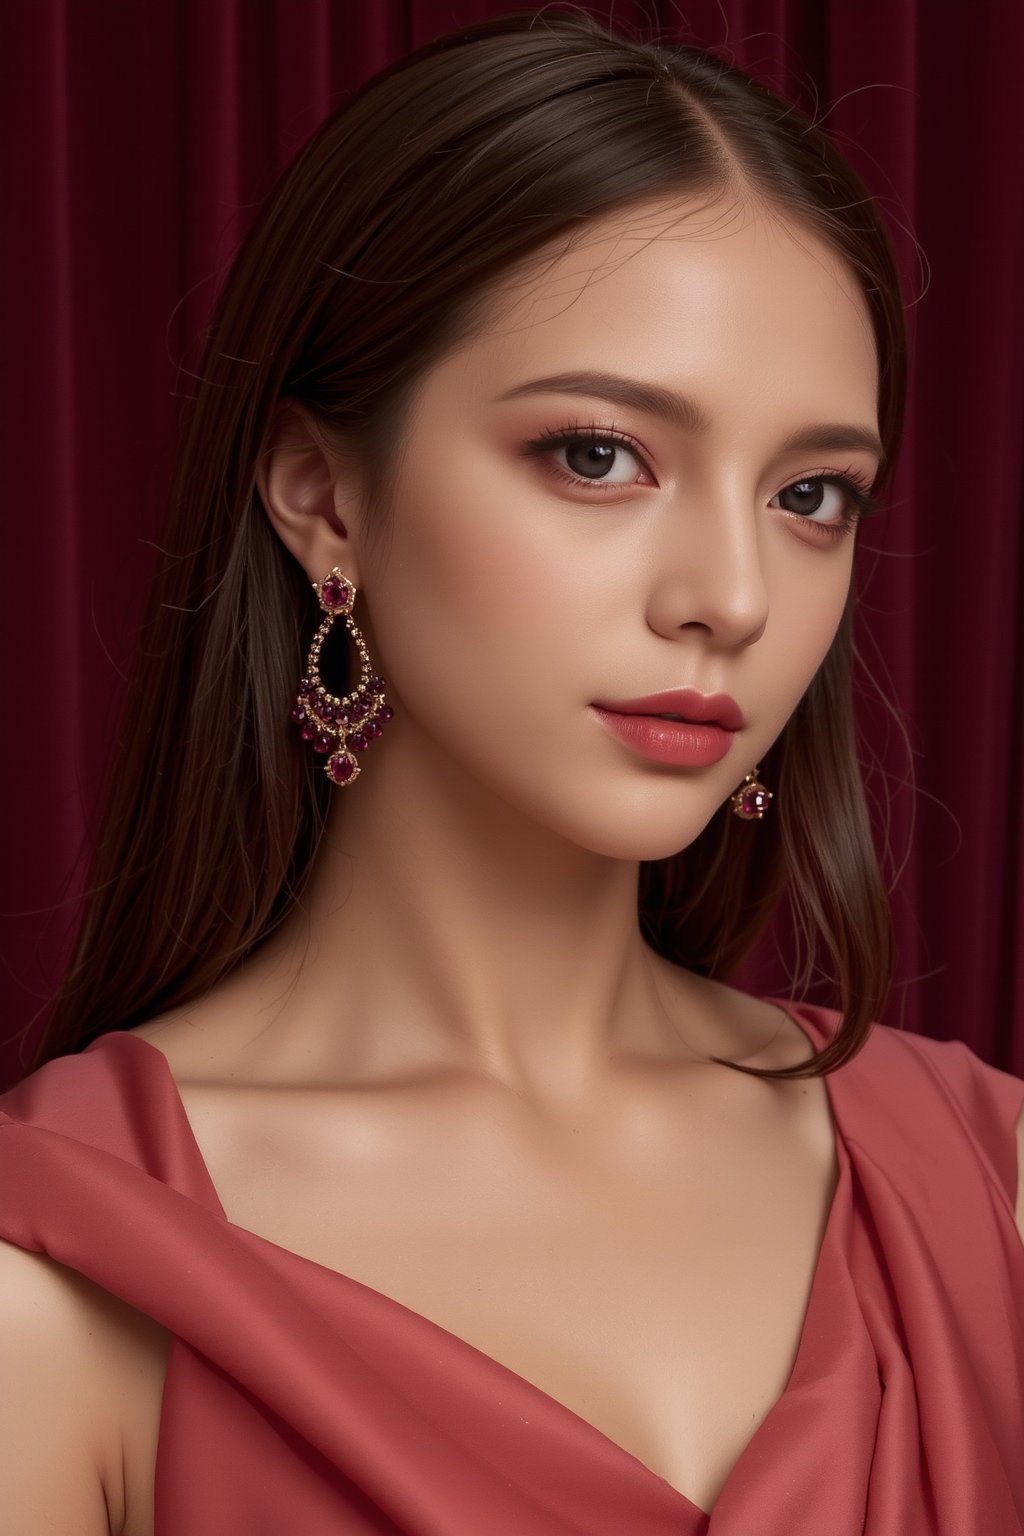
(681, 521)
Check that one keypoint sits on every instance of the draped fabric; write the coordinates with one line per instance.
(139, 140)
(298, 1398)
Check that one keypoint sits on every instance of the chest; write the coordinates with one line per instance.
(649, 1270)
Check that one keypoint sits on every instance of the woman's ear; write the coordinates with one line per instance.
(305, 487)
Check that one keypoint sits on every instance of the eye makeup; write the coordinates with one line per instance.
(858, 502)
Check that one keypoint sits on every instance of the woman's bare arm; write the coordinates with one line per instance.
(60, 1442)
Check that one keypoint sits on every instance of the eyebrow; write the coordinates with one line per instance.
(681, 411)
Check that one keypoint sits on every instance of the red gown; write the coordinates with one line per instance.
(299, 1400)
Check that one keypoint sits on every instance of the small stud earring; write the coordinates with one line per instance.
(750, 801)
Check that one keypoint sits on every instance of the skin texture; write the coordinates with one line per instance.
(457, 1073)
(507, 601)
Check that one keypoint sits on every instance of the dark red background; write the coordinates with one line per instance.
(139, 138)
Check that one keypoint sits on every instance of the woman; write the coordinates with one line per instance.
(399, 1157)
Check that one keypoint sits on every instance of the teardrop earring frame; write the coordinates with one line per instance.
(339, 727)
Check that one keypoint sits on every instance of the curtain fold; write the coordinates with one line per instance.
(139, 140)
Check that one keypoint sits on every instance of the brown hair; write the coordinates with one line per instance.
(369, 259)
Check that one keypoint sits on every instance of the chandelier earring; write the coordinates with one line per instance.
(339, 728)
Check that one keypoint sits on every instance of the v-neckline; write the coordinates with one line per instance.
(165, 1077)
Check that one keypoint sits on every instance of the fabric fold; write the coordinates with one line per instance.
(299, 1398)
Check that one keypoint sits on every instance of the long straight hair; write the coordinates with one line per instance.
(373, 255)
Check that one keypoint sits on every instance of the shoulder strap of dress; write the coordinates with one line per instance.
(907, 1084)
(117, 1096)
(984, 1100)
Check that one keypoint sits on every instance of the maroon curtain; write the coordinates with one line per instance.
(138, 140)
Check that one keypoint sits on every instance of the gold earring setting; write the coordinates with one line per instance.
(750, 801)
(339, 728)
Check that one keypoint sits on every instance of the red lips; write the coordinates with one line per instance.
(687, 702)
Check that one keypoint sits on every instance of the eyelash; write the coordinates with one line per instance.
(859, 501)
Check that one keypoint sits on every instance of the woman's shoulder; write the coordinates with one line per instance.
(59, 1327)
(986, 1096)
(986, 1101)
(934, 1102)
(101, 1130)
(109, 1097)
(61, 1128)
(906, 1059)
(81, 1091)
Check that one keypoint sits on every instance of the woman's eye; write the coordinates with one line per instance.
(592, 458)
(808, 498)
(600, 459)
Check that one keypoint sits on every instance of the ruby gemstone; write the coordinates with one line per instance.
(358, 741)
(334, 592)
(340, 768)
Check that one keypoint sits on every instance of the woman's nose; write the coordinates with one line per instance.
(709, 570)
